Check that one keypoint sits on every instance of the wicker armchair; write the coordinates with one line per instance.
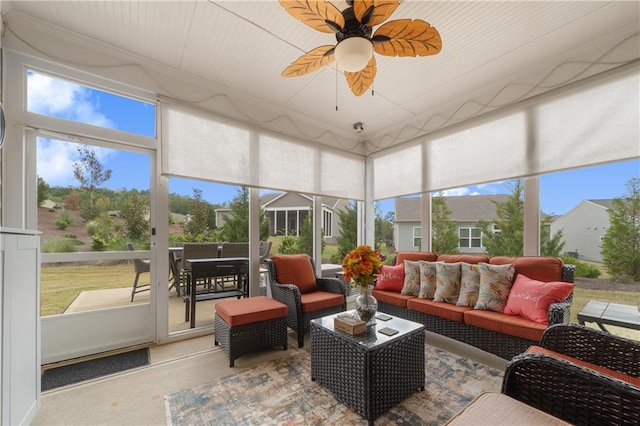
(573, 393)
(293, 282)
(605, 390)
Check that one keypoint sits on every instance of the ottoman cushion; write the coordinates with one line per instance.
(250, 310)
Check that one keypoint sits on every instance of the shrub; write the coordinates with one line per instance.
(59, 246)
(289, 245)
(583, 269)
(98, 244)
(64, 220)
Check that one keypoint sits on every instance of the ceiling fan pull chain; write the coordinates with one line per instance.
(336, 89)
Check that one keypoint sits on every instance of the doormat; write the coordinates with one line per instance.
(91, 369)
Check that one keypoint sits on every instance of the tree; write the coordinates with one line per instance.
(550, 246)
(444, 238)
(236, 225)
(91, 174)
(621, 243)
(305, 239)
(384, 228)
(196, 228)
(43, 190)
(348, 238)
(508, 241)
(133, 212)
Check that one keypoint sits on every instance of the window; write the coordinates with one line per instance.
(327, 223)
(55, 97)
(470, 237)
(417, 237)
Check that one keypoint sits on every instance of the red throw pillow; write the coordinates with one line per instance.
(531, 298)
(295, 269)
(391, 278)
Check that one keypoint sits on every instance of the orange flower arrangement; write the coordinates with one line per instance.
(362, 265)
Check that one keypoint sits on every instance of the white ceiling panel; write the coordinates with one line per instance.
(238, 49)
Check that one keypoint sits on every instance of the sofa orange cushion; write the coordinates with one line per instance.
(295, 269)
(505, 324)
(598, 368)
(440, 309)
(466, 258)
(391, 278)
(401, 256)
(530, 298)
(536, 267)
(392, 297)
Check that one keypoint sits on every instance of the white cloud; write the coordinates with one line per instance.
(56, 159)
(59, 98)
(459, 191)
(55, 162)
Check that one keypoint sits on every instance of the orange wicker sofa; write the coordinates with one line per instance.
(495, 332)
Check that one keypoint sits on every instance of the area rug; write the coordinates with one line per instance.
(280, 392)
(94, 368)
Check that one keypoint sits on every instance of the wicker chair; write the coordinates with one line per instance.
(573, 392)
(293, 282)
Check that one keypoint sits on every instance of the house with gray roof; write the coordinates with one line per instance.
(466, 211)
(287, 211)
(584, 228)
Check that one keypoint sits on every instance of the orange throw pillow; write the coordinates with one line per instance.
(295, 269)
(391, 278)
(531, 298)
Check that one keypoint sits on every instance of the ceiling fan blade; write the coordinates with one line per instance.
(406, 37)
(374, 12)
(311, 61)
(360, 81)
(318, 14)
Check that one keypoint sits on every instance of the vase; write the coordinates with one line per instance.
(366, 305)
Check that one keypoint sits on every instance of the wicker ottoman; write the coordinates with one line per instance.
(247, 325)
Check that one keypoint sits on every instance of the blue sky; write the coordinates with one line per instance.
(559, 192)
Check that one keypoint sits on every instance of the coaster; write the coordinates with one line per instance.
(383, 317)
(388, 331)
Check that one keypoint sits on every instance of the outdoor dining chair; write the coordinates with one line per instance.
(140, 266)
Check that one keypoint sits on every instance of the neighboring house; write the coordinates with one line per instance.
(466, 211)
(286, 212)
(583, 228)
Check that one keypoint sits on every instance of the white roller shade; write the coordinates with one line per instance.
(592, 123)
(197, 144)
(490, 151)
(597, 125)
(397, 172)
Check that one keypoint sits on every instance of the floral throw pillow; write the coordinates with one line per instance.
(411, 278)
(447, 282)
(495, 284)
(469, 285)
(427, 279)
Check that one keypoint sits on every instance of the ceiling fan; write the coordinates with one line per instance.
(353, 28)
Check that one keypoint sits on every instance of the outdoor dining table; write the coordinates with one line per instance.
(213, 269)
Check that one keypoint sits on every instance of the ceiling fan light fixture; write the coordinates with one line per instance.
(353, 54)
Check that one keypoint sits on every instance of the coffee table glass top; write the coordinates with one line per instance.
(373, 337)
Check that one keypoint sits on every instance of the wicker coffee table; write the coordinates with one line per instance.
(370, 372)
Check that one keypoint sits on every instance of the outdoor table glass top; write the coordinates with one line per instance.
(372, 338)
(615, 314)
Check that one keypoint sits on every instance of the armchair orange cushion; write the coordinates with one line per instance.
(295, 269)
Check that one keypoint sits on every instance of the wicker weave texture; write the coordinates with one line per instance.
(371, 381)
(570, 392)
(297, 319)
(243, 339)
(503, 345)
(594, 346)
